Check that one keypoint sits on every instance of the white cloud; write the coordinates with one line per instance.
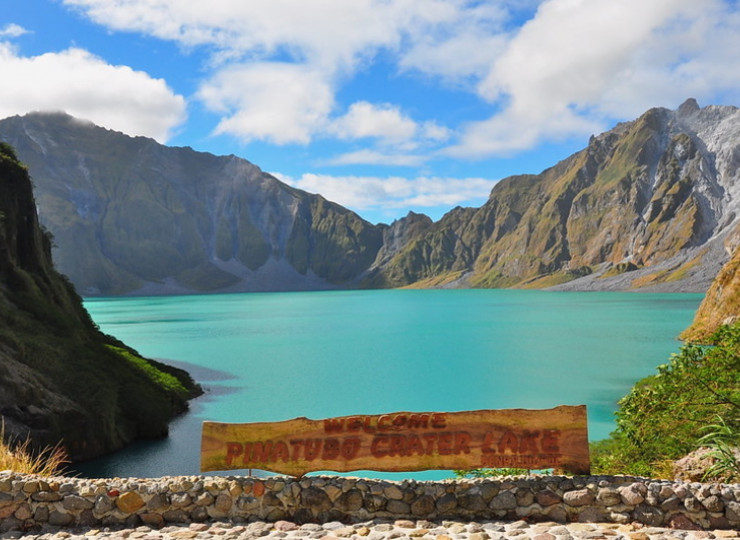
(511, 131)
(12, 30)
(367, 120)
(377, 157)
(397, 138)
(372, 193)
(84, 86)
(322, 32)
(461, 45)
(277, 102)
(324, 42)
(580, 64)
(432, 131)
(574, 66)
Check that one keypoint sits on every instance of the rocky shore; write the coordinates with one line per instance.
(379, 530)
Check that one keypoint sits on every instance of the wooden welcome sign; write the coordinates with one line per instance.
(518, 438)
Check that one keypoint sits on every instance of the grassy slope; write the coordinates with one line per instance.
(61, 378)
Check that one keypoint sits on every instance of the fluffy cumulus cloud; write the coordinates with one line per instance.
(281, 62)
(328, 33)
(579, 64)
(548, 68)
(85, 86)
(368, 156)
(277, 102)
(372, 193)
(533, 70)
(367, 120)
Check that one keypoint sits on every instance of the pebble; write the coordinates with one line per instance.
(379, 530)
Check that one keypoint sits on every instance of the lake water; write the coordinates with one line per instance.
(277, 356)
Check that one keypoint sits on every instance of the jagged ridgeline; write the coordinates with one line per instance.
(650, 204)
(61, 379)
(150, 218)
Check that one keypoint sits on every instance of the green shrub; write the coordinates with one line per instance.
(490, 473)
(665, 415)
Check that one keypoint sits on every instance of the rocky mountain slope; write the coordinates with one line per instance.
(721, 305)
(646, 205)
(130, 215)
(61, 380)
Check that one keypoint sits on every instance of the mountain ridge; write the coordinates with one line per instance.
(154, 219)
(646, 196)
(645, 206)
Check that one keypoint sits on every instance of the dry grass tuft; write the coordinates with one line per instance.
(18, 457)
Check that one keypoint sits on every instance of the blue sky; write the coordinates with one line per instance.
(384, 106)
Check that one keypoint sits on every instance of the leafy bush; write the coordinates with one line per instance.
(665, 416)
(490, 473)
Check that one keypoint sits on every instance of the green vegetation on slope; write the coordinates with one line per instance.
(666, 415)
(61, 379)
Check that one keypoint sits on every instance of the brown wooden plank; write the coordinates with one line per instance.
(404, 441)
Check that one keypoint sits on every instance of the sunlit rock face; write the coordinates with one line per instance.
(646, 205)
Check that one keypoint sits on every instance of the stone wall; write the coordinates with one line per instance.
(27, 501)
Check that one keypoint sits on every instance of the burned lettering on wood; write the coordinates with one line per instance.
(531, 439)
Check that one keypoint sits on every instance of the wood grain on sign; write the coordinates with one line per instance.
(519, 438)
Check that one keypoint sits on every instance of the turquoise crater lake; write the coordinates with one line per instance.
(277, 356)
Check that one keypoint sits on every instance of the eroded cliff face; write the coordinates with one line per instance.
(154, 219)
(61, 380)
(646, 204)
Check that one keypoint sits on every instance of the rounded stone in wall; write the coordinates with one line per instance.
(503, 501)
(547, 497)
(608, 497)
(41, 514)
(59, 519)
(648, 515)
(399, 508)
(424, 506)
(579, 497)
(315, 499)
(591, 515)
(472, 502)
(350, 501)
(732, 510)
(446, 504)
(75, 502)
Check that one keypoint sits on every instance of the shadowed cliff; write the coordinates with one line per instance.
(61, 379)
